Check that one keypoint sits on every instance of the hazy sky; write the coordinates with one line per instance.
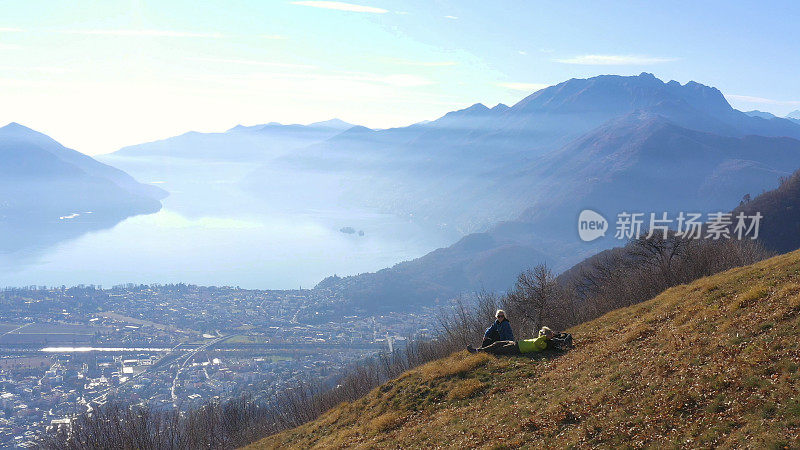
(98, 75)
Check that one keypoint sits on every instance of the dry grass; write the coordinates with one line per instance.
(386, 422)
(751, 296)
(465, 389)
(711, 364)
(458, 364)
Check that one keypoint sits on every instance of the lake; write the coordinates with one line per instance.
(212, 231)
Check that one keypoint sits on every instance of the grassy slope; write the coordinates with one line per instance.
(711, 363)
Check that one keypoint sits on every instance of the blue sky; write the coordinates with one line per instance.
(98, 75)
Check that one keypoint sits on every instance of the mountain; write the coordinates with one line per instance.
(240, 143)
(335, 124)
(611, 144)
(477, 261)
(44, 185)
(642, 161)
(17, 139)
(693, 105)
(794, 116)
(779, 227)
(708, 364)
(761, 114)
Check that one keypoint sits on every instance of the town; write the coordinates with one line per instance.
(64, 351)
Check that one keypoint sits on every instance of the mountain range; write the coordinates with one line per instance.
(240, 143)
(513, 179)
(473, 168)
(610, 144)
(793, 116)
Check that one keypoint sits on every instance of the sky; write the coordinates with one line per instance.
(100, 75)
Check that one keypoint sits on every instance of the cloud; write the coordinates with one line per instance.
(342, 6)
(144, 33)
(360, 78)
(522, 52)
(10, 30)
(274, 37)
(615, 60)
(451, 17)
(40, 69)
(251, 62)
(523, 86)
(404, 80)
(408, 62)
(9, 47)
(768, 101)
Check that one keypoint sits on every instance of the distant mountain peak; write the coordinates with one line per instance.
(357, 129)
(794, 115)
(333, 123)
(762, 114)
(616, 94)
(257, 127)
(15, 130)
(15, 126)
(478, 109)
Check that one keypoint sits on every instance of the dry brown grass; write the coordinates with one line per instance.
(751, 296)
(465, 389)
(711, 364)
(386, 422)
(458, 364)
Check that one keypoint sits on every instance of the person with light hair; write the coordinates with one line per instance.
(499, 331)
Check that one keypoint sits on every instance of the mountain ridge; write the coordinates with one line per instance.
(240, 143)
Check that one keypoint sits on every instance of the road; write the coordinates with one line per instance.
(15, 329)
(189, 357)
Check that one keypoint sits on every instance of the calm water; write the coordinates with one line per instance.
(211, 231)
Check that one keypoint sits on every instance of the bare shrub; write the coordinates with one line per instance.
(648, 266)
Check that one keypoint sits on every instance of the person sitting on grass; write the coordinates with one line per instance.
(499, 331)
(536, 344)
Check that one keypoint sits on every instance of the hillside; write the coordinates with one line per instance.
(476, 261)
(28, 154)
(780, 208)
(712, 363)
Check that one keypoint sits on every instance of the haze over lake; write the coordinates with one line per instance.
(211, 232)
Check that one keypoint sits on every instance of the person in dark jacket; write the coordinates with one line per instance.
(499, 331)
